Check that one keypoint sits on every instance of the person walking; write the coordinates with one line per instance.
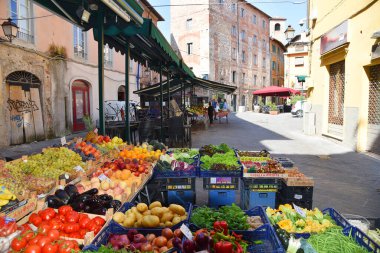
(210, 111)
(216, 108)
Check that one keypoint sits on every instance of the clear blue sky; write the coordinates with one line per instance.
(292, 12)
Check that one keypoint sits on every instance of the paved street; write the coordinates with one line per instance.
(345, 180)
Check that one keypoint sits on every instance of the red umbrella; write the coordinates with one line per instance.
(276, 91)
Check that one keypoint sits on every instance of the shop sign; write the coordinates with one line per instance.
(334, 38)
(375, 51)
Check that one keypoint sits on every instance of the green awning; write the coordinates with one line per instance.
(301, 78)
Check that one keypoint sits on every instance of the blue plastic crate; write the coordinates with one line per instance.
(176, 174)
(266, 234)
(126, 206)
(362, 239)
(261, 198)
(181, 197)
(217, 198)
(337, 217)
(221, 173)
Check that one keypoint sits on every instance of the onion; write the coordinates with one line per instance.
(146, 247)
(188, 246)
(178, 233)
(131, 233)
(167, 233)
(139, 238)
(177, 243)
(150, 237)
(161, 241)
(170, 243)
(124, 241)
(163, 249)
(114, 240)
(135, 246)
(201, 240)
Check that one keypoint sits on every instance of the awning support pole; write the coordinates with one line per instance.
(127, 122)
(168, 93)
(100, 22)
(162, 106)
(184, 97)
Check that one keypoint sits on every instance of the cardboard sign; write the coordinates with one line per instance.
(186, 231)
(103, 177)
(63, 140)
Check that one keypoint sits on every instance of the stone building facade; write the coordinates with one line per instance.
(224, 41)
(277, 62)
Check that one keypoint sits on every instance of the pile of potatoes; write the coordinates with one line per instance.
(142, 216)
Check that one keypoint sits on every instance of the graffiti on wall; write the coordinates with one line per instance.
(22, 106)
(19, 120)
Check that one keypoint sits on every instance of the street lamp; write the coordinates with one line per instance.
(10, 29)
(289, 33)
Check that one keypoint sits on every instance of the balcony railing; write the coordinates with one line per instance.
(25, 37)
(80, 52)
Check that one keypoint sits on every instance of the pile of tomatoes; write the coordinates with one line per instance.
(52, 226)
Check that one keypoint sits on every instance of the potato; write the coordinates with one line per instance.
(166, 209)
(150, 221)
(177, 215)
(176, 220)
(142, 207)
(183, 217)
(138, 216)
(155, 204)
(129, 222)
(168, 224)
(138, 224)
(177, 209)
(134, 209)
(162, 224)
(131, 216)
(147, 212)
(119, 217)
(167, 217)
(128, 212)
(158, 211)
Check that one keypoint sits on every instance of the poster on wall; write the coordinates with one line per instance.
(334, 38)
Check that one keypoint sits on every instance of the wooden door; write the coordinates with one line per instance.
(81, 105)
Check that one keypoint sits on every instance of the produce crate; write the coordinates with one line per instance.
(337, 217)
(221, 183)
(308, 204)
(177, 174)
(221, 173)
(362, 239)
(171, 184)
(285, 162)
(102, 237)
(126, 206)
(180, 197)
(218, 198)
(259, 192)
(268, 237)
(300, 195)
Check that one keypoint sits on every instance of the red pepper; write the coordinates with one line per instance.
(237, 237)
(221, 226)
(239, 248)
(223, 247)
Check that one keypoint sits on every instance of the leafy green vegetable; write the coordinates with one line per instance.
(108, 249)
(204, 217)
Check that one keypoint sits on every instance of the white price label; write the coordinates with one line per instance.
(297, 196)
(78, 168)
(63, 140)
(67, 176)
(186, 231)
(61, 187)
(103, 177)
(96, 130)
(299, 210)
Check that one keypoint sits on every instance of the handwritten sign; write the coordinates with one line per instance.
(63, 140)
(20, 210)
(78, 168)
(103, 177)
(299, 210)
(186, 231)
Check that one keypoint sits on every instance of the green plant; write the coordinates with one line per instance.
(295, 98)
(88, 122)
(57, 51)
(272, 106)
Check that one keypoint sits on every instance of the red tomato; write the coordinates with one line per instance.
(51, 212)
(44, 229)
(99, 221)
(97, 229)
(47, 214)
(75, 235)
(83, 232)
(35, 219)
(28, 235)
(82, 216)
(66, 247)
(55, 224)
(64, 209)
(35, 240)
(61, 217)
(53, 234)
(33, 249)
(84, 222)
(72, 217)
(91, 225)
(43, 241)
(18, 243)
(50, 248)
(71, 228)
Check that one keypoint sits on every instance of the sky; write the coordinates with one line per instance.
(276, 8)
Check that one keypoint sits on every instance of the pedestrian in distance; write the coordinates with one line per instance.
(210, 111)
(216, 108)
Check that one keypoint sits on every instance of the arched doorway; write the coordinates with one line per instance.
(24, 105)
(242, 102)
(121, 93)
(81, 104)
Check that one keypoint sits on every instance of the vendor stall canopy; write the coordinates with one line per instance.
(275, 91)
(177, 84)
(124, 29)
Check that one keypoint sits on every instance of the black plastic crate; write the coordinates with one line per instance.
(296, 192)
(304, 203)
(261, 183)
(170, 184)
(285, 162)
(221, 183)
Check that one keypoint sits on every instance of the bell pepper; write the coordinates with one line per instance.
(221, 226)
(223, 247)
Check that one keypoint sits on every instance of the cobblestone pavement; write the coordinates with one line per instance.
(345, 180)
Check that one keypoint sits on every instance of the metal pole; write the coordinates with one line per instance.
(127, 122)
(184, 98)
(162, 107)
(168, 91)
(101, 70)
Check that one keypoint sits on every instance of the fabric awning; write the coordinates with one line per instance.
(211, 85)
(301, 78)
(275, 91)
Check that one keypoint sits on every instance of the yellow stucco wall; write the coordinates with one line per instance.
(363, 20)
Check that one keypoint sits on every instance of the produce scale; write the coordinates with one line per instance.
(100, 194)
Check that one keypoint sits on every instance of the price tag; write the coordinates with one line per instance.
(117, 149)
(299, 210)
(61, 187)
(103, 177)
(96, 130)
(186, 231)
(63, 140)
(79, 140)
(67, 176)
(78, 168)
(297, 196)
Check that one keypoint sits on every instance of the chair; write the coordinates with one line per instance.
(146, 130)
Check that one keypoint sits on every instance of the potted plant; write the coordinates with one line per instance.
(273, 110)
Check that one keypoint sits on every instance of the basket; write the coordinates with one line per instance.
(358, 221)
(362, 239)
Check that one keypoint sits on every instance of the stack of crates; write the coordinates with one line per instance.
(302, 196)
(259, 192)
(222, 190)
(179, 190)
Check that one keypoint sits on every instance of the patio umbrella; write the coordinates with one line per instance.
(276, 91)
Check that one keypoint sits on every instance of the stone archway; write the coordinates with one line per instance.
(24, 105)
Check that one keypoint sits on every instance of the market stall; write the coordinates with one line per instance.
(91, 194)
